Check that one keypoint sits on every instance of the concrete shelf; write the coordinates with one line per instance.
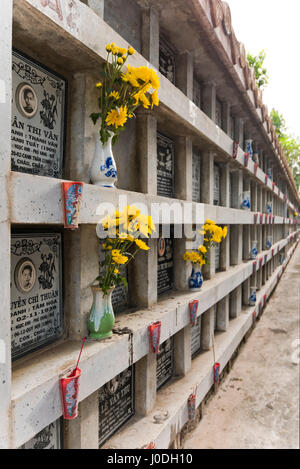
(35, 382)
(36, 200)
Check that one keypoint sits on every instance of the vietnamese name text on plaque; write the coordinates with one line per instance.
(165, 166)
(36, 291)
(165, 362)
(116, 404)
(165, 267)
(196, 338)
(38, 118)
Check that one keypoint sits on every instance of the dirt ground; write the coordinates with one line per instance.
(257, 404)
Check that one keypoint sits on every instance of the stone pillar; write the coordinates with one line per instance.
(143, 277)
(182, 269)
(182, 354)
(246, 292)
(236, 244)
(259, 238)
(84, 95)
(259, 198)
(246, 242)
(225, 252)
(235, 302)
(146, 125)
(258, 279)
(183, 168)
(223, 314)
(185, 73)
(5, 162)
(207, 329)
(237, 188)
(226, 117)
(253, 197)
(150, 36)
(83, 432)
(207, 178)
(239, 131)
(97, 6)
(83, 268)
(145, 384)
(225, 185)
(209, 99)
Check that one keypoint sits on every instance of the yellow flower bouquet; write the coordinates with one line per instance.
(123, 231)
(122, 243)
(122, 91)
(213, 235)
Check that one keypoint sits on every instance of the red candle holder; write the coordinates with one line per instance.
(216, 373)
(151, 445)
(72, 194)
(235, 150)
(273, 185)
(261, 215)
(154, 331)
(266, 179)
(192, 406)
(193, 312)
(255, 168)
(255, 218)
(246, 160)
(260, 262)
(69, 389)
(254, 267)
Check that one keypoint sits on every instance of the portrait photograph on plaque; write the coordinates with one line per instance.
(38, 118)
(116, 404)
(36, 291)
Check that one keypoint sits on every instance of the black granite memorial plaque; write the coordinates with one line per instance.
(196, 177)
(165, 166)
(38, 118)
(216, 185)
(116, 404)
(219, 119)
(165, 362)
(36, 291)
(217, 257)
(49, 438)
(196, 338)
(165, 267)
(232, 131)
(166, 60)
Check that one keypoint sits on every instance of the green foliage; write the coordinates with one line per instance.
(257, 62)
(289, 143)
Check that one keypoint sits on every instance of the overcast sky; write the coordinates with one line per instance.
(273, 25)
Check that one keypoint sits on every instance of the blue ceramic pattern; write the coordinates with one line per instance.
(109, 168)
(196, 280)
(246, 203)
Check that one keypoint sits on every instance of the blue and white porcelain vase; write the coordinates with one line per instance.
(254, 251)
(269, 208)
(269, 242)
(252, 299)
(196, 278)
(248, 147)
(246, 201)
(104, 169)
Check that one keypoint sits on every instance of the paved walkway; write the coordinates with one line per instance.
(257, 405)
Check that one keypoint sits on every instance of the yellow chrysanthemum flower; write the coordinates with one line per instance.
(108, 48)
(99, 84)
(202, 249)
(142, 245)
(131, 50)
(154, 97)
(115, 95)
(117, 117)
(116, 271)
(120, 61)
(120, 259)
(224, 232)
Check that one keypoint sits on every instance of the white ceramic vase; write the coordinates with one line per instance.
(104, 169)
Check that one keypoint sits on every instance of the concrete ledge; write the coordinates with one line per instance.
(38, 200)
(35, 388)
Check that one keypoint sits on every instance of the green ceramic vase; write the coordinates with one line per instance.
(102, 318)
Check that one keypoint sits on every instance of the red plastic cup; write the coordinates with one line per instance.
(193, 312)
(216, 373)
(72, 193)
(192, 406)
(69, 388)
(154, 332)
